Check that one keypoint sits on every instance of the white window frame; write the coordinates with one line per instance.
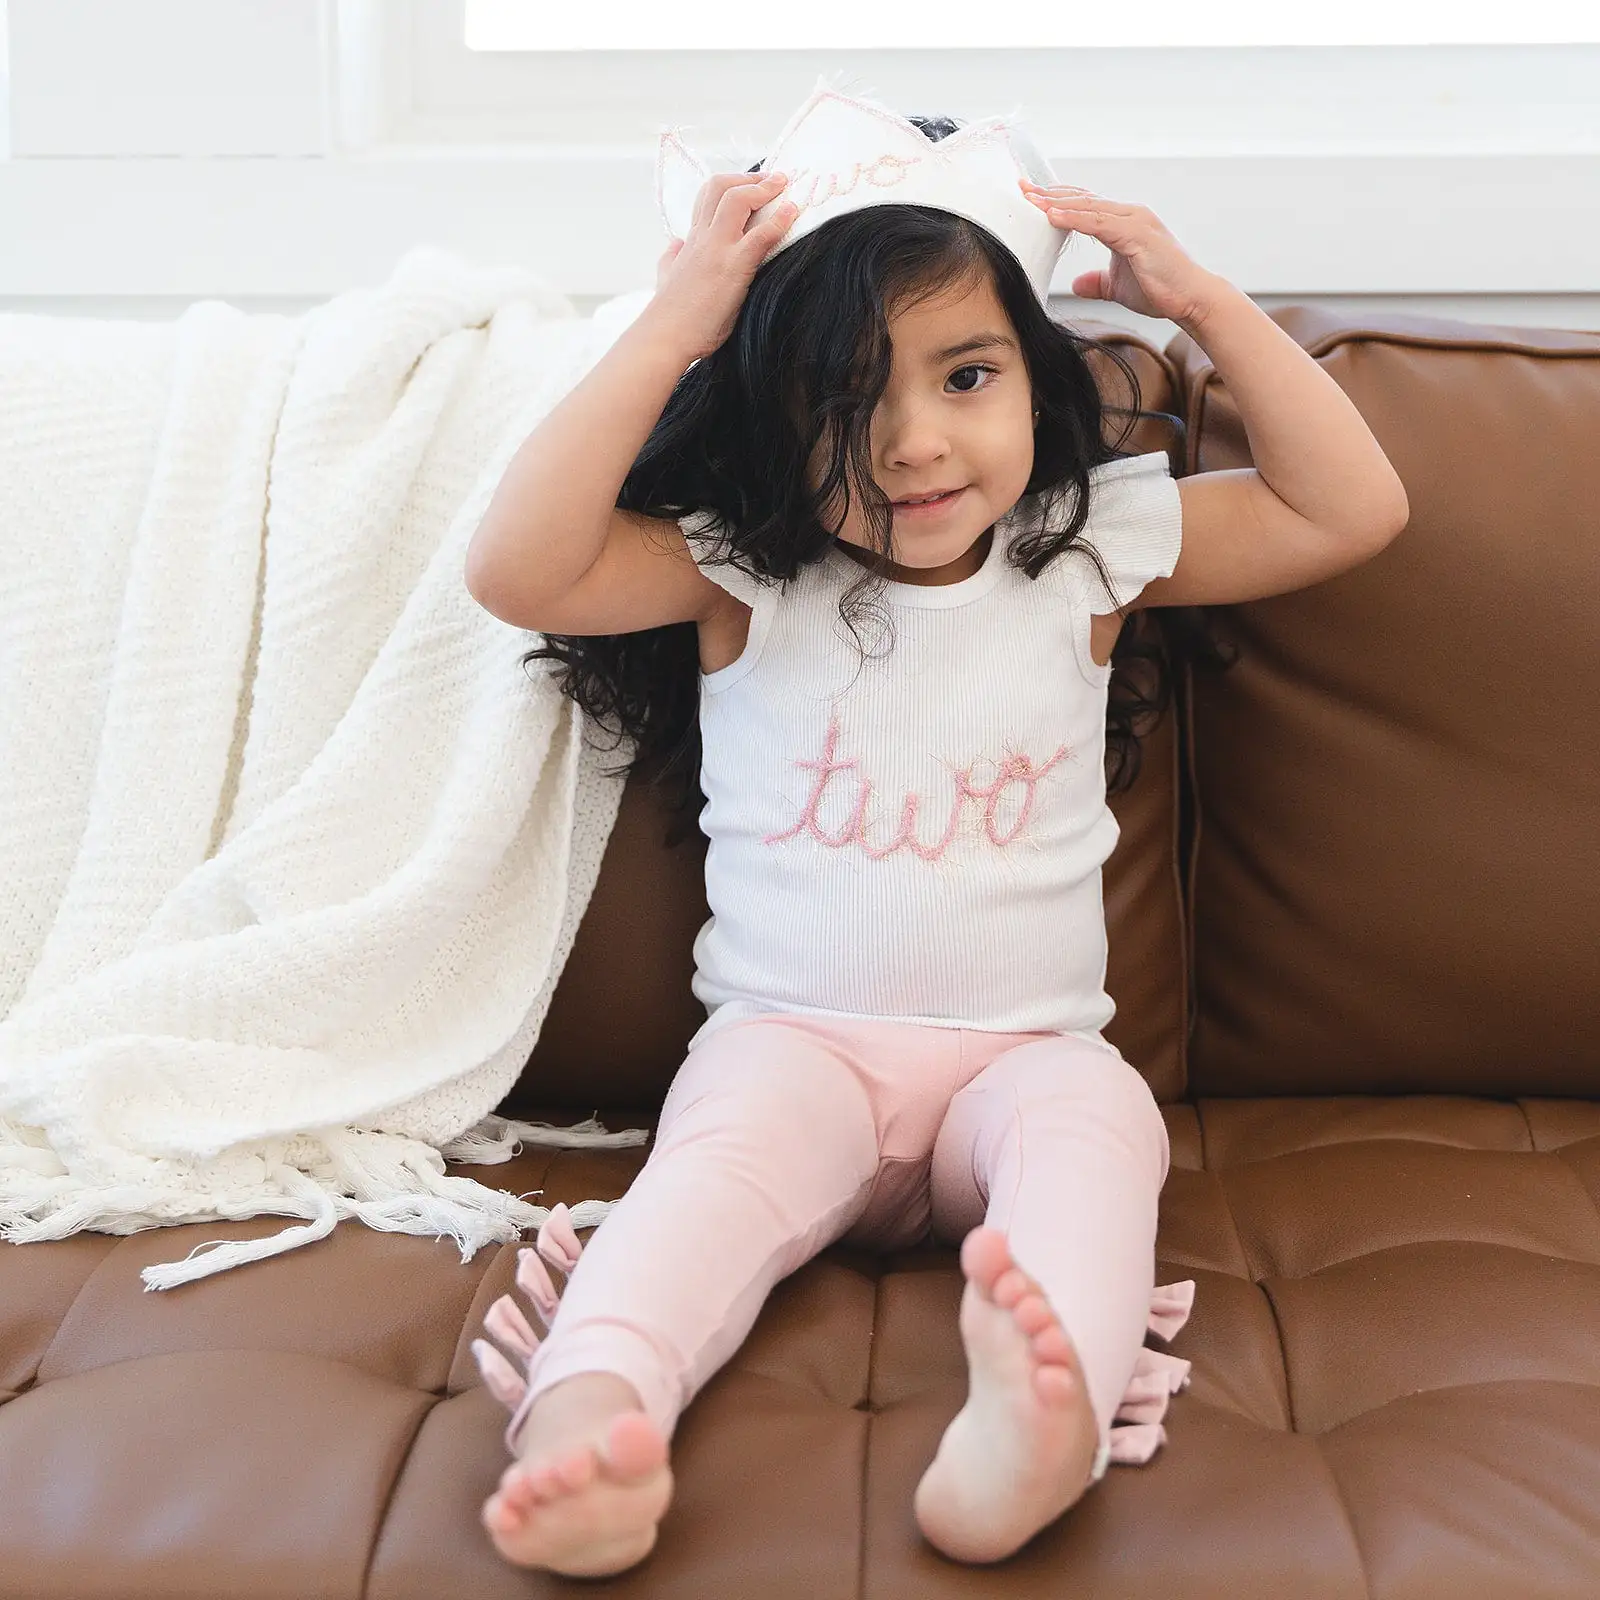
(1179, 102)
(167, 171)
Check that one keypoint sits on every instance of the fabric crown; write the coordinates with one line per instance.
(841, 152)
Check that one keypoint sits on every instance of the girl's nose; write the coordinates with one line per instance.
(917, 440)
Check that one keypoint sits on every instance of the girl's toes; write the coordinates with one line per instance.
(576, 1471)
(1050, 1343)
(634, 1447)
(543, 1485)
(984, 1256)
(1053, 1384)
(1010, 1287)
(499, 1517)
(1032, 1314)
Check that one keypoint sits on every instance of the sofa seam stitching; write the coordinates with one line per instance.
(1574, 1175)
(1556, 1154)
(866, 1439)
(1283, 1354)
(1348, 1516)
(381, 1521)
(1245, 1254)
(1521, 1104)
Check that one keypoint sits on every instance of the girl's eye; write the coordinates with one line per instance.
(974, 389)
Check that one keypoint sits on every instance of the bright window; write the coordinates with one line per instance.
(294, 147)
(1018, 24)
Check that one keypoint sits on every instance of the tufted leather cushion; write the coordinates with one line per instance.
(1396, 1392)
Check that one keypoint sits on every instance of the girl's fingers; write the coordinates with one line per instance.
(1086, 199)
(1052, 188)
(1083, 218)
(745, 201)
(752, 187)
(1087, 216)
(711, 193)
(783, 215)
(774, 228)
(1066, 202)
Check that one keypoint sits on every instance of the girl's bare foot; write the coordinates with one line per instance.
(590, 1486)
(1021, 1450)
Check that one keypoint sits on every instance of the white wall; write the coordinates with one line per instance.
(274, 152)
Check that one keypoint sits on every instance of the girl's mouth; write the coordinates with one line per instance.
(928, 508)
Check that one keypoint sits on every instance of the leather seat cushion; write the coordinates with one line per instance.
(1396, 1391)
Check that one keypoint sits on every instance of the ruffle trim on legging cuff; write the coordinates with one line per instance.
(556, 1245)
(1136, 1430)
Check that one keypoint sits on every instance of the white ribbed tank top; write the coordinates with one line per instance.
(919, 836)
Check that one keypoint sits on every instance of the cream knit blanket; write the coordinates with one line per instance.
(292, 847)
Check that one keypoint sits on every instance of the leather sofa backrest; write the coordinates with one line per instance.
(1397, 879)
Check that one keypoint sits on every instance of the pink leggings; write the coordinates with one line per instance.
(783, 1133)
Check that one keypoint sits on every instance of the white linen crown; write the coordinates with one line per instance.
(842, 152)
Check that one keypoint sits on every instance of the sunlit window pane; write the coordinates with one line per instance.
(1017, 24)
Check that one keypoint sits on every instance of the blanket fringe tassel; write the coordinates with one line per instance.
(387, 1181)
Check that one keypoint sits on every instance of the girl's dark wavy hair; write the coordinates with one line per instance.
(804, 367)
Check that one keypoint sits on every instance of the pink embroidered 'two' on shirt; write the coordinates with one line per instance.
(918, 835)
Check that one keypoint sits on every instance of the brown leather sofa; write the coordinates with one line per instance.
(1355, 922)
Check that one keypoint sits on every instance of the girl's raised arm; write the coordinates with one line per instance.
(1322, 496)
(554, 512)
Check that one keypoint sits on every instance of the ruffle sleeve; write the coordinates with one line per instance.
(708, 544)
(1136, 526)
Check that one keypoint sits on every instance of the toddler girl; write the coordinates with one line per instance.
(834, 527)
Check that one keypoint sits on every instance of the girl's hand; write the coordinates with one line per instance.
(701, 281)
(1150, 271)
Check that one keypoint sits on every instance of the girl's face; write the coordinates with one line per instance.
(951, 418)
